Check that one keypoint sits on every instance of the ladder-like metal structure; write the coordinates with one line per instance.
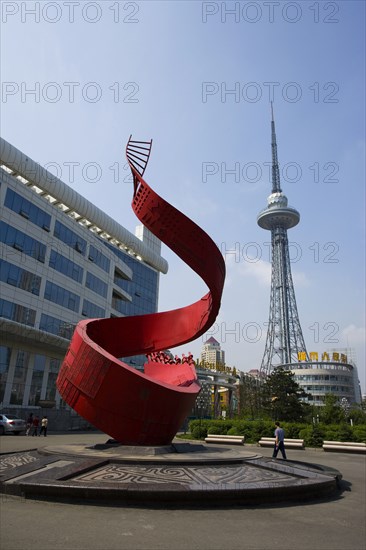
(138, 154)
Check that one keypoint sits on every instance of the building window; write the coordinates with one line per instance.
(51, 380)
(22, 242)
(27, 210)
(66, 266)
(144, 285)
(92, 310)
(96, 285)
(121, 280)
(20, 376)
(18, 313)
(61, 296)
(20, 278)
(56, 326)
(69, 237)
(37, 378)
(118, 302)
(99, 259)
(5, 353)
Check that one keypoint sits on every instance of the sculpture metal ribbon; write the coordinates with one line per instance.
(146, 408)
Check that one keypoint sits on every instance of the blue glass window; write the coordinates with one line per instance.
(120, 280)
(37, 379)
(96, 285)
(118, 303)
(66, 266)
(20, 278)
(99, 259)
(25, 208)
(5, 354)
(56, 326)
(18, 313)
(69, 237)
(92, 310)
(51, 379)
(22, 242)
(61, 296)
(143, 288)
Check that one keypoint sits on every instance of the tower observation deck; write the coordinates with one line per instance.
(285, 341)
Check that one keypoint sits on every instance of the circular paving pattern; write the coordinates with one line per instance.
(179, 475)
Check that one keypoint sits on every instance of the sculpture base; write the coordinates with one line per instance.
(147, 450)
(179, 475)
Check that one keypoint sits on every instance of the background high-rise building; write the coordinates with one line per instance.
(62, 260)
(211, 353)
(223, 381)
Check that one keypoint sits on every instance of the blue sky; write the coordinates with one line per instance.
(199, 80)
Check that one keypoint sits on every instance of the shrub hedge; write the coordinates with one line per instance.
(253, 430)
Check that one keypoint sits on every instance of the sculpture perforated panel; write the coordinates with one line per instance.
(144, 408)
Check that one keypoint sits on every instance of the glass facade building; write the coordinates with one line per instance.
(62, 260)
(320, 378)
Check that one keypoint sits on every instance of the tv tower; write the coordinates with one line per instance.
(284, 340)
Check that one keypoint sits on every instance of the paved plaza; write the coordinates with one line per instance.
(332, 522)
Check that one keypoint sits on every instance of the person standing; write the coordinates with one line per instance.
(44, 424)
(280, 441)
(29, 424)
(35, 426)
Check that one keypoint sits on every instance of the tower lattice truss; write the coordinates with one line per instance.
(285, 342)
(284, 337)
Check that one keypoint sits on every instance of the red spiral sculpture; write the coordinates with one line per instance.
(146, 408)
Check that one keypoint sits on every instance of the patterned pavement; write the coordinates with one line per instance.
(193, 474)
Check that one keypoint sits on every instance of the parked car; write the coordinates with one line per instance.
(11, 424)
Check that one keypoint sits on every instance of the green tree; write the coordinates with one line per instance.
(282, 397)
(331, 412)
(249, 397)
(357, 415)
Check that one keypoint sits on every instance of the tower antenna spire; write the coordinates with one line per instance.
(276, 184)
(285, 342)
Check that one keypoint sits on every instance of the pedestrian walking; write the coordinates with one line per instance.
(35, 426)
(29, 424)
(280, 441)
(44, 424)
